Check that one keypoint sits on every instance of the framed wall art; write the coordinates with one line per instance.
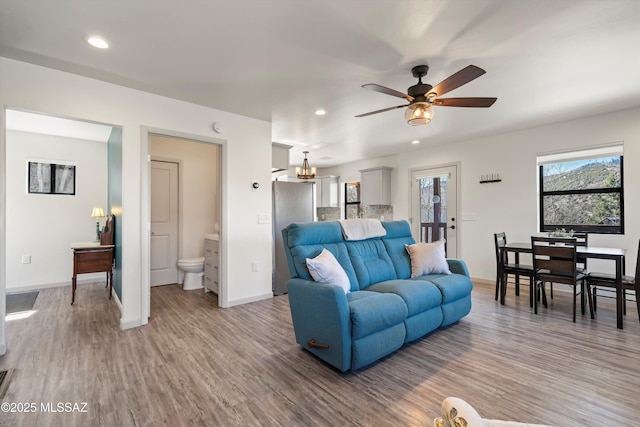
(51, 178)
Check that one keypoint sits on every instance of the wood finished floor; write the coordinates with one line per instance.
(198, 365)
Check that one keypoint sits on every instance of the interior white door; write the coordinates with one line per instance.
(164, 223)
(434, 206)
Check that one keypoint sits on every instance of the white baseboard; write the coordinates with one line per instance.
(250, 299)
(26, 288)
(128, 324)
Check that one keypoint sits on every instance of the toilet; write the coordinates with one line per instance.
(193, 269)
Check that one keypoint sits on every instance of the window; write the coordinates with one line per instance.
(582, 191)
(352, 200)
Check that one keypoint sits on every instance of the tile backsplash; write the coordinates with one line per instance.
(381, 212)
(328, 214)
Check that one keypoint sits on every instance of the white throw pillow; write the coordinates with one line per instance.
(428, 258)
(326, 268)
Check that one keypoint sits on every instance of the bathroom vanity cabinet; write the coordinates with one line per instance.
(212, 264)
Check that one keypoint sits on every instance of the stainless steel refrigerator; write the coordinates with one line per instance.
(292, 202)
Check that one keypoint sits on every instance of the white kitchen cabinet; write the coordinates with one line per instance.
(279, 157)
(327, 191)
(375, 186)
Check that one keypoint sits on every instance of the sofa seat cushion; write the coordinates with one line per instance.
(419, 296)
(373, 312)
(452, 286)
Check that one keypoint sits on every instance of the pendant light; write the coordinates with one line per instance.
(306, 172)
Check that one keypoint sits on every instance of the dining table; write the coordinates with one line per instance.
(597, 252)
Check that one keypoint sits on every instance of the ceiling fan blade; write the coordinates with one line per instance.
(388, 91)
(465, 102)
(456, 80)
(380, 111)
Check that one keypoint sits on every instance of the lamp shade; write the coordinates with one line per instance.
(97, 212)
(418, 113)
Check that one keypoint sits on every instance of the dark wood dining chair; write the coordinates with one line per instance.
(504, 269)
(555, 261)
(607, 282)
(582, 239)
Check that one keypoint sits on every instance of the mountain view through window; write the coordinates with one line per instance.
(583, 195)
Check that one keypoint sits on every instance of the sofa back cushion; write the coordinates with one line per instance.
(398, 235)
(307, 240)
(370, 262)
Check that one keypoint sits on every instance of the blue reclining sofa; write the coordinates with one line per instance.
(385, 309)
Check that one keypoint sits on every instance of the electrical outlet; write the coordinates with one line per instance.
(254, 266)
(26, 259)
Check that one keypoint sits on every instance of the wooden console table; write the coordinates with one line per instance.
(92, 258)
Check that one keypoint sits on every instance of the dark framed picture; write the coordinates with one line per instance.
(51, 178)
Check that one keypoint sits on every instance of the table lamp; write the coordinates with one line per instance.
(97, 213)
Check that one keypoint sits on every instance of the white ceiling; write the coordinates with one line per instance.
(280, 60)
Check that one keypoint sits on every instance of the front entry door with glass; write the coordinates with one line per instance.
(433, 201)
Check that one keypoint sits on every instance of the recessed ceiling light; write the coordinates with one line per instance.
(415, 141)
(320, 112)
(98, 42)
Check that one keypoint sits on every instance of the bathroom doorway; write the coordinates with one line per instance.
(185, 199)
(164, 223)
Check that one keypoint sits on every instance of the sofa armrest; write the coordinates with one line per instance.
(458, 266)
(320, 312)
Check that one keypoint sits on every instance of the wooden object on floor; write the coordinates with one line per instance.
(504, 268)
(555, 261)
(594, 252)
(582, 240)
(92, 259)
(606, 280)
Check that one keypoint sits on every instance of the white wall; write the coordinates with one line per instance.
(199, 188)
(511, 205)
(44, 225)
(247, 147)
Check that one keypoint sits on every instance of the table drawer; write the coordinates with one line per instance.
(93, 261)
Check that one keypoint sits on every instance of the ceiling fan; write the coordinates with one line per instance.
(423, 96)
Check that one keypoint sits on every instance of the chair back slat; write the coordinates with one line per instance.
(556, 266)
(561, 252)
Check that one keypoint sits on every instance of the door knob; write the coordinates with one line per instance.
(452, 227)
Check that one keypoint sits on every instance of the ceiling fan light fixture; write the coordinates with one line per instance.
(418, 113)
